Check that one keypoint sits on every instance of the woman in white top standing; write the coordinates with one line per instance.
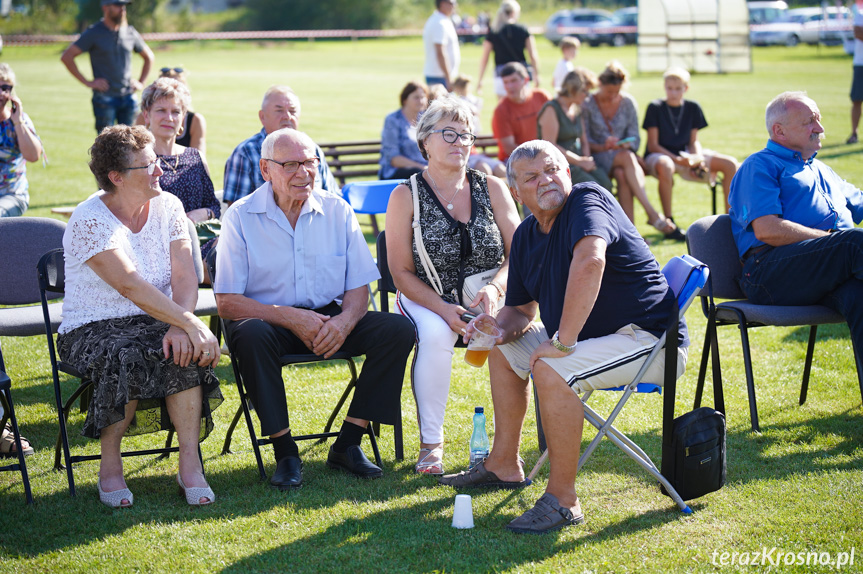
(128, 314)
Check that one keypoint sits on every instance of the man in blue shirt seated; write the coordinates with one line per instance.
(293, 269)
(279, 109)
(793, 219)
(581, 262)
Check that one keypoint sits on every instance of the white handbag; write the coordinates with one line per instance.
(472, 284)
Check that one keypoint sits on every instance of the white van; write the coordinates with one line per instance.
(766, 12)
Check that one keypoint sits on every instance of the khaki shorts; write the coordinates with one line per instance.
(599, 363)
(652, 159)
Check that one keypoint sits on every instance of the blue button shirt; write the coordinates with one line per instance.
(262, 257)
(779, 181)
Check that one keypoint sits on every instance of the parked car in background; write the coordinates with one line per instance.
(574, 23)
(622, 29)
(807, 25)
(766, 12)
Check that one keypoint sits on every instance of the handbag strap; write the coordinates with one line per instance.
(425, 260)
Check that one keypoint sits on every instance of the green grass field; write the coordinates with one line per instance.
(794, 487)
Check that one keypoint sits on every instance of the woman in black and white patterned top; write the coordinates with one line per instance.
(467, 221)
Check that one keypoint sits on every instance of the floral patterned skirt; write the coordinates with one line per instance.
(124, 358)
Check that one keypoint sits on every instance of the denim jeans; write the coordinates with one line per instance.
(826, 271)
(12, 206)
(110, 110)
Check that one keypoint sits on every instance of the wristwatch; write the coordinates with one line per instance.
(555, 342)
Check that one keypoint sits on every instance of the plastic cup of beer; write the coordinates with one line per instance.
(482, 341)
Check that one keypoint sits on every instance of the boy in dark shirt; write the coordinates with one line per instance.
(672, 128)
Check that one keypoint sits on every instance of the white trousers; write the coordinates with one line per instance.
(432, 367)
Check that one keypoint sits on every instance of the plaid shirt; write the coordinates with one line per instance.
(243, 171)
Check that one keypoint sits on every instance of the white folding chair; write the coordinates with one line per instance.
(686, 276)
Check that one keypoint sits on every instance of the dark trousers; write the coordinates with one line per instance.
(386, 340)
(826, 271)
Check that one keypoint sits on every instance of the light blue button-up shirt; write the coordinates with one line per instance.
(262, 257)
(779, 181)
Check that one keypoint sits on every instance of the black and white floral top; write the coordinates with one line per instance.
(448, 240)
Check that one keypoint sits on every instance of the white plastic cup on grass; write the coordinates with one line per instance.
(462, 516)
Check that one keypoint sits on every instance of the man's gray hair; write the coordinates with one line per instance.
(280, 90)
(448, 107)
(777, 109)
(528, 151)
(270, 141)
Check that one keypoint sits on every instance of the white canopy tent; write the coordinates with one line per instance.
(705, 36)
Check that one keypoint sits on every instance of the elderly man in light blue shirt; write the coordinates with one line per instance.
(293, 267)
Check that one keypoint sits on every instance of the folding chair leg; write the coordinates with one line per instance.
(807, 367)
(9, 413)
(375, 449)
(702, 369)
(540, 433)
(713, 194)
(344, 397)
(226, 447)
(168, 441)
(750, 378)
(859, 363)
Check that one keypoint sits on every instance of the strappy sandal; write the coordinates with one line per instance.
(432, 462)
(115, 499)
(7, 444)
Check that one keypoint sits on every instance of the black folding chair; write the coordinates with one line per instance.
(245, 407)
(52, 283)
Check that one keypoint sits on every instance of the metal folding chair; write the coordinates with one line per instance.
(686, 276)
(710, 240)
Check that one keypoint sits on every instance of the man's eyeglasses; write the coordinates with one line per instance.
(293, 166)
(6, 88)
(450, 136)
(169, 70)
(150, 167)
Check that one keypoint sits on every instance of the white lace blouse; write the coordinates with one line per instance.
(93, 229)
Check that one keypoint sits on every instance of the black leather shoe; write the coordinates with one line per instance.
(289, 473)
(353, 460)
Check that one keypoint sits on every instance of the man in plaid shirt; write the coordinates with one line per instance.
(280, 109)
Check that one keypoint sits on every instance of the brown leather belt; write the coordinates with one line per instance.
(752, 251)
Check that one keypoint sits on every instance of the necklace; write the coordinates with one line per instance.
(449, 204)
(166, 164)
(675, 123)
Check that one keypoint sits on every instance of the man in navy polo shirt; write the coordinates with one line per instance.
(793, 219)
(604, 302)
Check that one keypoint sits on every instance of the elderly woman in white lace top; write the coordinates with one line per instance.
(128, 315)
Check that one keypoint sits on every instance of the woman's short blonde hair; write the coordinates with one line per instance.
(6, 73)
(577, 80)
(448, 107)
(166, 88)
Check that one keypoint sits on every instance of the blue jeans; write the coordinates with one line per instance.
(110, 110)
(432, 80)
(826, 271)
(12, 206)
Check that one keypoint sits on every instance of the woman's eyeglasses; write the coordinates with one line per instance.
(150, 167)
(169, 70)
(450, 136)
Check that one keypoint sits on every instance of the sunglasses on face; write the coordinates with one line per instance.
(169, 70)
(6, 87)
(150, 167)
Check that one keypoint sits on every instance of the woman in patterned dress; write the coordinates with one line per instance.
(18, 145)
(128, 314)
(467, 221)
(164, 104)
